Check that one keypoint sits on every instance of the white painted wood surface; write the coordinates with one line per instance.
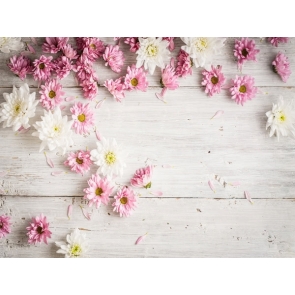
(178, 133)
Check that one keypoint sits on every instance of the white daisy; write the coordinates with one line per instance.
(54, 131)
(109, 156)
(10, 43)
(281, 119)
(202, 50)
(151, 53)
(75, 247)
(18, 108)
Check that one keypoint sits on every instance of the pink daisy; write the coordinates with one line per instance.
(79, 162)
(213, 80)
(116, 88)
(125, 201)
(95, 48)
(281, 66)
(274, 41)
(133, 42)
(90, 89)
(184, 64)
(69, 52)
(83, 117)
(114, 58)
(142, 177)
(170, 41)
(55, 44)
(136, 79)
(38, 231)
(98, 191)
(243, 89)
(20, 66)
(62, 67)
(42, 68)
(245, 50)
(84, 70)
(51, 94)
(4, 226)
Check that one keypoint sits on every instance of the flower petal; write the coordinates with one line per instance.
(217, 114)
(56, 173)
(100, 104)
(235, 183)
(211, 185)
(31, 48)
(248, 197)
(157, 193)
(98, 135)
(33, 39)
(49, 161)
(140, 239)
(70, 98)
(86, 214)
(70, 211)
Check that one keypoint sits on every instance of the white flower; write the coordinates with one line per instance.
(10, 43)
(19, 107)
(77, 245)
(152, 52)
(109, 157)
(202, 50)
(281, 119)
(54, 131)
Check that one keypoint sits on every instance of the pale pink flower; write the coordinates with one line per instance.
(20, 66)
(95, 48)
(38, 231)
(243, 89)
(142, 177)
(274, 41)
(84, 70)
(54, 44)
(51, 94)
(69, 52)
(170, 41)
(281, 66)
(79, 161)
(83, 117)
(116, 88)
(4, 226)
(98, 191)
(90, 89)
(133, 42)
(62, 67)
(125, 201)
(245, 50)
(213, 80)
(42, 68)
(114, 58)
(136, 79)
(184, 64)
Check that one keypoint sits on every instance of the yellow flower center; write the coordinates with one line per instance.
(152, 50)
(76, 250)
(110, 158)
(282, 117)
(245, 52)
(243, 89)
(51, 94)
(42, 66)
(201, 44)
(214, 80)
(93, 46)
(79, 161)
(123, 200)
(81, 118)
(98, 191)
(134, 82)
(17, 108)
(56, 128)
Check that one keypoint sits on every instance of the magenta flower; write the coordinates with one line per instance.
(90, 89)
(274, 41)
(4, 226)
(184, 64)
(79, 161)
(83, 117)
(281, 66)
(62, 67)
(38, 231)
(20, 66)
(133, 42)
(243, 89)
(51, 94)
(95, 48)
(69, 52)
(125, 201)
(55, 44)
(213, 80)
(142, 177)
(170, 41)
(42, 68)
(114, 58)
(116, 88)
(98, 191)
(136, 79)
(245, 50)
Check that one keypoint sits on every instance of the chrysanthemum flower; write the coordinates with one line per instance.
(42, 68)
(281, 66)
(133, 42)
(90, 89)
(243, 89)
(274, 41)
(10, 43)
(245, 50)
(62, 67)
(51, 94)
(136, 79)
(116, 88)
(4, 226)
(114, 58)
(213, 80)
(95, 47)
(79, 161)
(69, 52)
(171, 42)
(21, 66)
(125, 201)
(184, 64)
(83, 117)
(38, 231)
(142, 177)
(54, 44)
(98, 191)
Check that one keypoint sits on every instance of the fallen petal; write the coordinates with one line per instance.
(62, 107)
(70, 211)
(140, 239)
(31, 48)
(235, 183)
(86, 214)
(157, 193)
(98, 135)
(70, 98)
(100, 104)
(23, 130)
(49, 161)
(211, 185)
(218, 114)
(248, 197)
(33, 39)
(56, 173)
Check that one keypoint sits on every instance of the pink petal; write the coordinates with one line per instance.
(31, 48)
(71, 98)
(3, 173)
(70, 211)
(33, 39)
(172, 62)
(86, 214)
(211, 185)
(98, 135)
(25, 53)
(23, 130)
(56, 173)
(140, 239)
(218, 114)
(160, 97)
(49, 161)
(62, 107)
(157, 193)
(235, 183)
(248, 197)
(100, 104)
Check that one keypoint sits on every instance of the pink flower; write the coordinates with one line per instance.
(62, 67)
(95, 48)
(281, 66)
(133, 42)
(79, 162)
(38, 231)
(4, 226)
(245, 50)
(114, 58)
(213, 80)
(170, 41)
(42, 68)
(142, 177)
(69, 52)
(83, 117)
(98, 191)
(90, 89)
(184, 64)
(55, 44)
(274, 41)
(20, 66)
(125, 201)
(136, 79)
(84, 70)
(116, 88)
(51, 94)
(243, 89)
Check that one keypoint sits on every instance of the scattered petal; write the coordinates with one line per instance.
(86, 214)
(62, 107)
(31, 48)
(157, 193)
(98, 135)
(49, 161)
(70, 211)
(23, 130)
(248, 197)
(56, 173)
(33, 39)
(211, 185)
(140, 239)
(217, 114)
(160, 97)
(100, 104)
(70, 98)
(235, 183)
